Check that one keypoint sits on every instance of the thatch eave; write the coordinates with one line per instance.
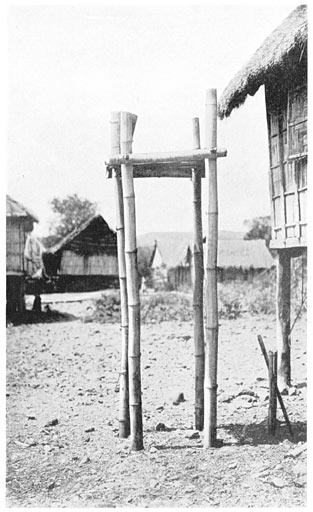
(14, 209)
(278, 58)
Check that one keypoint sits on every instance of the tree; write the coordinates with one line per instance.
(259, 228)
(72, 211)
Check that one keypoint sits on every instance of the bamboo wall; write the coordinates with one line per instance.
(96, 264)
(287, 131)
(16, 232)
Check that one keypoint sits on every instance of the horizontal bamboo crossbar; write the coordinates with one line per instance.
(163, 170)
(167, 157)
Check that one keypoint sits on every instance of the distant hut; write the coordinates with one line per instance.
(243, 260)
(171, 265)
(238, 259)
(86, 259)
(280, 64)
(19, 224)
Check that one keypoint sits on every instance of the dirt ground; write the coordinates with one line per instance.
(63, 448)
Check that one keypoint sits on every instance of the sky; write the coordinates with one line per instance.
(70, 66)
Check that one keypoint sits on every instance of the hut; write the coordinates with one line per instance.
(243, 260)
(280, 65)
(19, 224)
(237, 259)
(85, 259)
(171, 264)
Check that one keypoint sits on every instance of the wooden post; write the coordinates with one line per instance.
(283, 319)
(124, 426)
(272, 378)
(198, 287)
(128, 123)
(281, 403)
(210, 380)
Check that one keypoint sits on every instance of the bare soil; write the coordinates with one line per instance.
(63, 448)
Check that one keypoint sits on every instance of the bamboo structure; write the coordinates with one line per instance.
(124, 421)
(283, 318)
(171, 164)
(210, 379)
(272, 407)
(198, 287)
(128, 123)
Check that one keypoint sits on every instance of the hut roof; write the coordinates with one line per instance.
(92, 237)
(245, 254)
(174, 254)
(232, 253)
(287, 43)
(16, 209)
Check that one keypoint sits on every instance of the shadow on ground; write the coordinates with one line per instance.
(34, 317)
(256, 434)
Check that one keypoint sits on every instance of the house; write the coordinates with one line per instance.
(280, 65)
(19, 225)
(242, 260)
(238, 259)
(171, 264)
(85, 259)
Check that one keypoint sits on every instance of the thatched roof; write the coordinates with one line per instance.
(16, 209)
(244, 254)
(278, 59)
(93, 237)
(232, 253)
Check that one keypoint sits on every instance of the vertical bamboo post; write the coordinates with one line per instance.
(128, 123)
(198, 286)
(272, 377)
(283, 318)
(124, 427)
(210, 379)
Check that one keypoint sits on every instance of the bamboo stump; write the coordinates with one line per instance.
(198, 287)
(272, 377)
(128, 123)
(210, 380)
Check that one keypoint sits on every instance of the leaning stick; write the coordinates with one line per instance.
(210, 380)
(281, 403)
(128, 123)
(198, 286)
(124, 427)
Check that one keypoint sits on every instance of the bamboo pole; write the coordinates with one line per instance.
(124, 426)
(198, 287)
(283, 318)
(210, 379)
(272, 377)
(167, 157)
(128, 123)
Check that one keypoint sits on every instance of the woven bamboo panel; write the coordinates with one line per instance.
(98, 264)
(15, 244)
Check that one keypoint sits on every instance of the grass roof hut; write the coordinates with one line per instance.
(19, 224)
(85, 259)
(280, 65)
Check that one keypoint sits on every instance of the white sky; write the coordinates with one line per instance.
(70, 66)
